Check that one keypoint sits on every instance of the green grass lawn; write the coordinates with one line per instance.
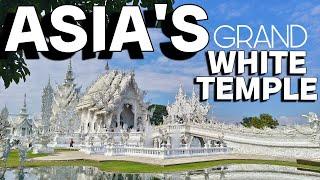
(132, 167)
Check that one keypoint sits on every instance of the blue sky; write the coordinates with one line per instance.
(160, 77)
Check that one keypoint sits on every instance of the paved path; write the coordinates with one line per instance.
(76, 155)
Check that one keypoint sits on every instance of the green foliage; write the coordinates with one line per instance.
(149, 4)
(14, 68)
(263, 121)
(159, 112)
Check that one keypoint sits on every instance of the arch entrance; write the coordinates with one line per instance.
(197, 142)
(127, 117)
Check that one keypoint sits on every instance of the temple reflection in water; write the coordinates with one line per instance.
(241, 171)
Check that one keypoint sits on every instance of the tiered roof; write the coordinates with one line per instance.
(106, 92)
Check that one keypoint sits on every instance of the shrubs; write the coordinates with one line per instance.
(260, 122)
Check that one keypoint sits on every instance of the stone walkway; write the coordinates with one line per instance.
(76, 155)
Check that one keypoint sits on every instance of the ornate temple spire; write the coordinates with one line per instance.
(187, 109)
(69, 75)
(49, 81)
(107, 67)
(23, 111)
(194, 100)
(193, 92)
(180, 93)
(5, 108)
(25, 101)
(47, 100)
(62, 110)
(48, 87)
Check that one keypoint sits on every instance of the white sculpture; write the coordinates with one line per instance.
(313, 120)
(187, 110)
(315, 125)
(42, 140)
(4, 124)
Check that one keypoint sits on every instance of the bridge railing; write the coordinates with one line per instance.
(165, 153)
(248, 136)
(93, 149)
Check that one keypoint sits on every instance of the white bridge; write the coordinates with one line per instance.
(178, 140)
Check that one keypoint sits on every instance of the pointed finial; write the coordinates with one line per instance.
(107, 66)
(25, 100)
(69, 76)
(49, 80)
(23, 111)
(70, 65)
(180, 92)
(193, 94)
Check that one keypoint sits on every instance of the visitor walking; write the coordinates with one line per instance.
(71, 143)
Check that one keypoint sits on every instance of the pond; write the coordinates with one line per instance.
(241, 171)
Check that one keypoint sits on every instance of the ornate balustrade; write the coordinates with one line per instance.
(93, 149)
(290, 131)
(164, 153)
(277, 137)
(291, 145)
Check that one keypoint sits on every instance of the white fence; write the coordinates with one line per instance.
(162, 153)
(93, 149)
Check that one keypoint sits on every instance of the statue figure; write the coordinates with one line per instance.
(103, 139)
(313, 120)
(314, 124)
(124, 137)
(187, 110)
(22, 155)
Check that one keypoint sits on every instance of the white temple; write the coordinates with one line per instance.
(113, 104)
(111, 118)
(112, 107)
(64, 120)
(21, 126)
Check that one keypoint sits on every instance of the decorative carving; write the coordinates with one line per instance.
(186, 110)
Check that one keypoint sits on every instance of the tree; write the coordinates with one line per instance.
(269, 121)
(14, 68)
(261, 122)
(159, 112)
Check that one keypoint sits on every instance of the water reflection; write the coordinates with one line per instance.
(248, 172)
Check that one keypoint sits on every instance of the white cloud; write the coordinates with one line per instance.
(231, 10)
(308, 15)
(161, 82)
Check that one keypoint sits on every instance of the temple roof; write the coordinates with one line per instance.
(22, 117)
(107, 90)
(17, 121)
